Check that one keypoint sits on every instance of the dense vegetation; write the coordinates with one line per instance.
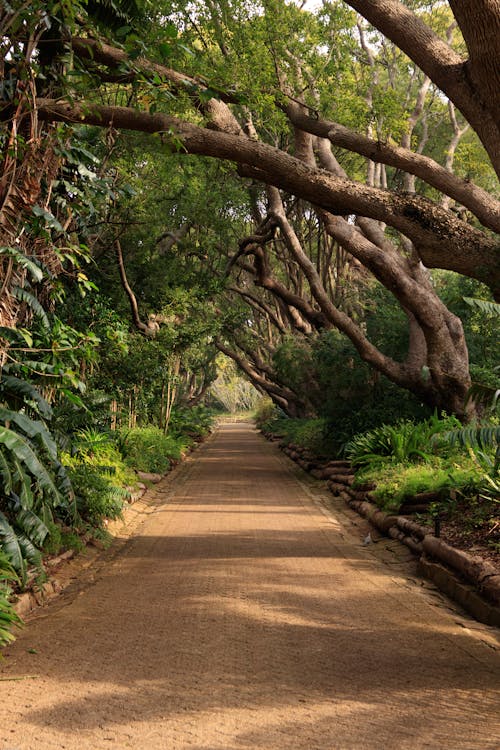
(346, 268)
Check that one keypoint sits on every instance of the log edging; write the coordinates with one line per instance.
(468, 579)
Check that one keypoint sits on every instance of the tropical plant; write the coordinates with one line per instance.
(404, 442)
(148, 449)
(34, 485)
(8, 616)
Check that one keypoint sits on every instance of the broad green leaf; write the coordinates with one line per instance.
(9, 543)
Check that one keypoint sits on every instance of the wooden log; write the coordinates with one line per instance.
(410, 527)
(356, 494)
(476, 570)
(318, 473)
(408, 541)
(336, 489)
(338, 470)
(303, 463)
(410, 509)
(147, 476)
(490, 586)
(346, 479)
(422, 498)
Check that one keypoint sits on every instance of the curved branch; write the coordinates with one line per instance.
(442, 240)
(143, 327)
(479, 201)
(439, 61)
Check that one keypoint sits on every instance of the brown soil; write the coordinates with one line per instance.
(474, 526)
(241, 614)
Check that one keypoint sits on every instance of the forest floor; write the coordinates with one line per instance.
(242, 613)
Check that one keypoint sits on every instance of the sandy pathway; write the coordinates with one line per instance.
(241, 616)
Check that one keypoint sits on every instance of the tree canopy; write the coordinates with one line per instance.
(355, 149)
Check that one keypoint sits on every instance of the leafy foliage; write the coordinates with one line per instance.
(397, 482)
(404, 442)
(34, 486)
(8, 616)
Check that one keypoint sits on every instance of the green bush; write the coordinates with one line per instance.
(265, 413)
(397, 482)
(311, 434)
(97, 497)
(149, 449)
(406, 441)
(193, 423)
(100, 477)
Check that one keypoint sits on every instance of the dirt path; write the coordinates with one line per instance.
(241, 616)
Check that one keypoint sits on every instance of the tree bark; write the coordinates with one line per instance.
(439, 61)
(442, 240)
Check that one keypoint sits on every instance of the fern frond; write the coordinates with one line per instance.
(485, 306)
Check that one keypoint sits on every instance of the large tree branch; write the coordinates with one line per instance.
(336, 317)
(481, 203)
(479, 22)
(98, 52)
(284, 397)
(259, 305)
(442, 240)
(439, 61)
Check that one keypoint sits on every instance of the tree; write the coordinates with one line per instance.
(419, 230)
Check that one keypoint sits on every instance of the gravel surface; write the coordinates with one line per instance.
(242, 615)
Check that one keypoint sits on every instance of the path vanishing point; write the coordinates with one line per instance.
(243, 615)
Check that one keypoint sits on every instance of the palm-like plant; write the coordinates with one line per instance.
(34, 486)
(8, 616)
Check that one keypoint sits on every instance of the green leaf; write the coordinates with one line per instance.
(24, 296)
(26, 392)
(31, 266)
(485, 306)
(9, 543)
(32, 428)
(165, 49)
(170, 30)
(32, 526)
(13, 442)
(6, 475)
(48, 217)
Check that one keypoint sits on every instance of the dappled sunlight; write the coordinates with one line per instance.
(245, 622)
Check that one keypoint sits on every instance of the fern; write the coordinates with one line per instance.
(485, 306)
(485, 395)
(485, 437)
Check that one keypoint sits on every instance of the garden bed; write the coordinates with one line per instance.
(458, 549)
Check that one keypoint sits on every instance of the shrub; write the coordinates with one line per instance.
(149, 449)
(306, 433)
(100, 477)
(397, 482)
(265, 413)
(97, 497)
(405, 441)
(193, 423)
